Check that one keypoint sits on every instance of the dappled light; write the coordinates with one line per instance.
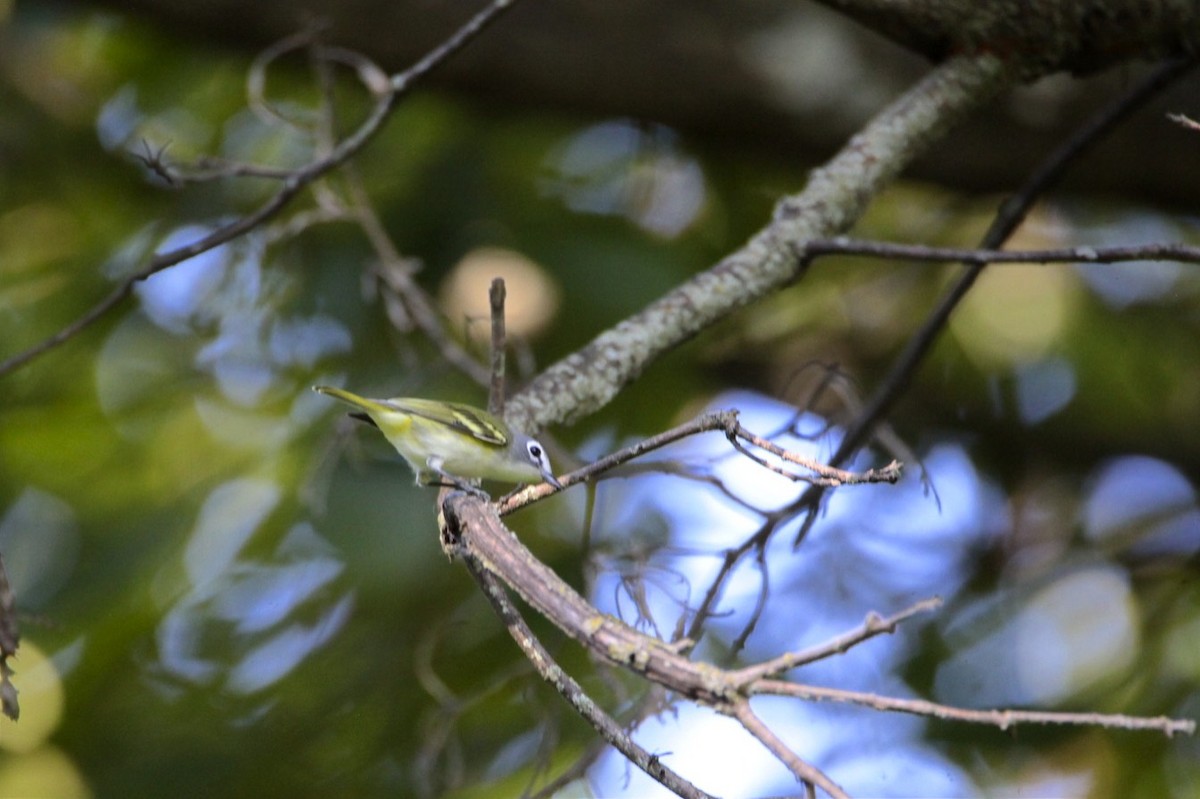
(797, 475)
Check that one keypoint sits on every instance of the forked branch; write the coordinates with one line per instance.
(472, 531)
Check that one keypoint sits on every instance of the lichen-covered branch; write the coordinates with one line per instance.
(834, 199)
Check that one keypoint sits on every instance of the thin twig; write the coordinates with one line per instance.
(256, 77)
(984, 257)
(828, 475)
(402, 294)
(725, 421)
(757, 542)
(437, 741)
(1185, 121)
(716, 420)
(496, 296)
(10, 640)
(1000, 718)
(801, 769)
(760, 605)
(395, 272)
(872, 626)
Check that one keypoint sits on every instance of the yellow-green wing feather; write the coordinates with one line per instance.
(466, 419)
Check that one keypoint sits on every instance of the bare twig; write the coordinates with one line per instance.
(1003, 719)
(873, 625)
(10, 639)
(802, 770)
(408, 305)
(725, 421)
(718, 420)
(984, 257)
(155, 162)
(1185, 121)
(732, 557)
(437, 736)
(395, 272)
(211, 168)
(496, 396)
(760, 604)
(827, 475)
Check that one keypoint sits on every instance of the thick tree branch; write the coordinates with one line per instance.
(834, 199)
(472, 531)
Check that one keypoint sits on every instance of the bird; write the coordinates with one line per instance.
(442, 441)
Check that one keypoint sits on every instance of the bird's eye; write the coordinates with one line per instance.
(535, 450)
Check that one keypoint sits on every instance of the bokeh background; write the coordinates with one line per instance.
(226, 589)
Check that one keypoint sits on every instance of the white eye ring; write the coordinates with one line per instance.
(537, 454)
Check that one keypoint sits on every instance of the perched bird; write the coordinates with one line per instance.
(444, 440)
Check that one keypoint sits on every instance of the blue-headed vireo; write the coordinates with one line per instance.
(448, 438)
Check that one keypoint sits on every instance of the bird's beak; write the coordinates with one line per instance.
(552, 480)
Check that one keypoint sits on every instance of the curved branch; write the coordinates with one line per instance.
(472, 531)
(387, 96)
(834, 199)
(550, 671)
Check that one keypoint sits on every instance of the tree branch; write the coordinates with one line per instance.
(471, 530)
(1012, 212)
(835, 197)
(802, 770)
(395, 88)
(10, 639)
(873, 625)
(1002, 719)
(983, 257)
(552, 673)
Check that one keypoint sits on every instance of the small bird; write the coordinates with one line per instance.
(444, 440)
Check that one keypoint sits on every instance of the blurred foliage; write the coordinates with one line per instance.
(240, 594)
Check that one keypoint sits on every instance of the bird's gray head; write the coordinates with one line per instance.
(533, 451)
